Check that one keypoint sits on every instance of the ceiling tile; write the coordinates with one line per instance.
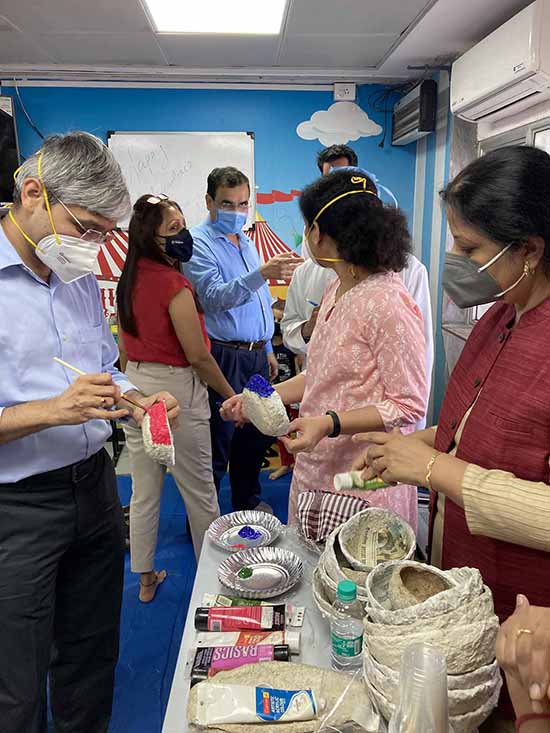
(219, 51)
(102, 49)
(352, 16)
(335, 51)
(15, 48)
(59, 16)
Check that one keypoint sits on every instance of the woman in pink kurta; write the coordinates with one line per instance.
(366, 360)
(367, 350)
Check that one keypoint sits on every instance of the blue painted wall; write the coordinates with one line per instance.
(283, 160)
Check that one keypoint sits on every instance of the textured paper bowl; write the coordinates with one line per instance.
(467, 723)
(337, 566)
(400, 539)
(467, 692)
(467, 585)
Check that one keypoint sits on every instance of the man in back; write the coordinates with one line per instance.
(231, 285)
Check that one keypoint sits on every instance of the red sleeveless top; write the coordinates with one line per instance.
(508, 429)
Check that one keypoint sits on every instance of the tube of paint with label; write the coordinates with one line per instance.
(258, 618)
(211, 660)
(250, 638)
(223, 704)
(294, 614)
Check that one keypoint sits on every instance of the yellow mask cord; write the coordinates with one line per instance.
(46, 199)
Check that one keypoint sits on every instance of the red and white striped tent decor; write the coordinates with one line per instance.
(112, 255)
(267, 243)
(108, 269)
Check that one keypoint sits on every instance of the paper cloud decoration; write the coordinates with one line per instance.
(339, 124)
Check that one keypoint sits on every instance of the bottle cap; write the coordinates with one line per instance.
(347, 590)
(343, 481)
(292, 639)
(281, 652)
(201, 619)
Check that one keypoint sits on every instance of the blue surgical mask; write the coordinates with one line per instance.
(180, 245)
(230, 222)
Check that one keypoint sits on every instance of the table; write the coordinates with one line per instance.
(315, 636)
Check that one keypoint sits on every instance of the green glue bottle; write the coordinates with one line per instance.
(353, 480)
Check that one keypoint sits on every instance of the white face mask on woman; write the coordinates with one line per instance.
(69, 257)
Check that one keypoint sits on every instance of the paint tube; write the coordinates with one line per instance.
(294, 614)
(250, 638)
(228, 704)
(211, 660)
(258, 618)
(353, 480)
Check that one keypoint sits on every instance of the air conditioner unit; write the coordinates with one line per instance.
(414, 116)
(506, 72)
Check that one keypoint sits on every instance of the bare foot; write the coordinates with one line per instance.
(148, 584)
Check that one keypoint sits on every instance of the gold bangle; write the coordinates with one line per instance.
(429, 469)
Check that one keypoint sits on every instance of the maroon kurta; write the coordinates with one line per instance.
(508, 371)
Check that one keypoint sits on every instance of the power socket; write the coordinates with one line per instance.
(345, 92)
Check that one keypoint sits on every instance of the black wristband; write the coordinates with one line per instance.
(337, 425)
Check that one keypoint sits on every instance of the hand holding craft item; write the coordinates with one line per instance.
(157, 435)
(264, 408)
(155, 427)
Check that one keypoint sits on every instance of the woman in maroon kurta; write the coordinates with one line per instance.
(496, 412)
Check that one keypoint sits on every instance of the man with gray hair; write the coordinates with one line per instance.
(61, 526)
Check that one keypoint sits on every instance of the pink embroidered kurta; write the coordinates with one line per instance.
(368, 349)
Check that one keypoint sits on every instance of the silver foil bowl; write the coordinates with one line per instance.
(244, 530)
(262, 572)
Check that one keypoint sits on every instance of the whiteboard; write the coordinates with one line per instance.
(178, 163)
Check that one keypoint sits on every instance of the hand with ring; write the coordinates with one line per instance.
(523, 651)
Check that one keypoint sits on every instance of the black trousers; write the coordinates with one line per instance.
(61, 577)
(243, 448)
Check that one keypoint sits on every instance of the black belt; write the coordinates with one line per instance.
(245, 345)
(62, 476)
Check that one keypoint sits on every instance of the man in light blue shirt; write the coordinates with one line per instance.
(61, 528)
(231, 285)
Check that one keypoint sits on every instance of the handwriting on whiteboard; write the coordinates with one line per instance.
(155, 165)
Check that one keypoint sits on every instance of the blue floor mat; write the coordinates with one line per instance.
(151, 633)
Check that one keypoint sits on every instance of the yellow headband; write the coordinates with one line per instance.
(354, 179)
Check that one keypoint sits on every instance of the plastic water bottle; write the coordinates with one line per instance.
(346, 629)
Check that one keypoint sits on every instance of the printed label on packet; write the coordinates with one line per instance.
(279, 705)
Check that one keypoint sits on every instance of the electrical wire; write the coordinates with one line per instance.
(24, 110)
(383, 100)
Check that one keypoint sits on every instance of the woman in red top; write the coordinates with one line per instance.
(163, 342)
(493, 432)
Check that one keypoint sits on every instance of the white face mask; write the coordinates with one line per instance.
(69, 257)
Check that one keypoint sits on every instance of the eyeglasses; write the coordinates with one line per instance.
(89, 235)
(228, 206)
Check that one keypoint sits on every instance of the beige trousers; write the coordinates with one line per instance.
(192, 472)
